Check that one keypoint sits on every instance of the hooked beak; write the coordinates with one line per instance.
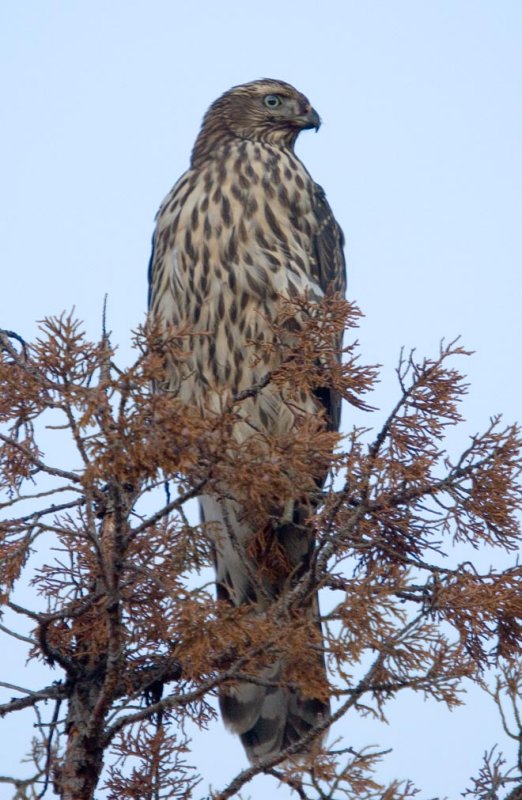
(310, 119)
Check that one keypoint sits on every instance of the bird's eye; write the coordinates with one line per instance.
(272, 101)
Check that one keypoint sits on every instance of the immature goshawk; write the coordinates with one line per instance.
(244, 228)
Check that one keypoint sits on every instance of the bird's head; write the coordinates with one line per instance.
(265, 111)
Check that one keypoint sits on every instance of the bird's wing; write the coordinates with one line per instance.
(330, 268)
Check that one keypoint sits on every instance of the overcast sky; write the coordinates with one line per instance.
(420, 155)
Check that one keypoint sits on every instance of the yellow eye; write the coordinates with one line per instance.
(272, 101)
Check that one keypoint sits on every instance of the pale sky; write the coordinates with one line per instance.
(419, 153)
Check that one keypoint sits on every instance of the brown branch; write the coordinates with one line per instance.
(168, 508)
(40, 465)
(58, 691)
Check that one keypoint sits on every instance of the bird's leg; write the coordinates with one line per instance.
(288, 512)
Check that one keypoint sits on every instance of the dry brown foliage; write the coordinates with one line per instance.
(143, 646)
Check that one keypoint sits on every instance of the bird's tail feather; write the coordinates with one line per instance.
(252, 569)
(270, 718)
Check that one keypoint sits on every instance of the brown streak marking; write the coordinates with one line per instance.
(273, 223)
(254, 285)
(189, 247)
(221, 306)
(207, 182)
(226, 211)
(283, 196)
(242, 231)
(250, 206)
(236, 192)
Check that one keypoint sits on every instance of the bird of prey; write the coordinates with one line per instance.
(244, 228)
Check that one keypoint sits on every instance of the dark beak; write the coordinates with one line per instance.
(310, 119)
